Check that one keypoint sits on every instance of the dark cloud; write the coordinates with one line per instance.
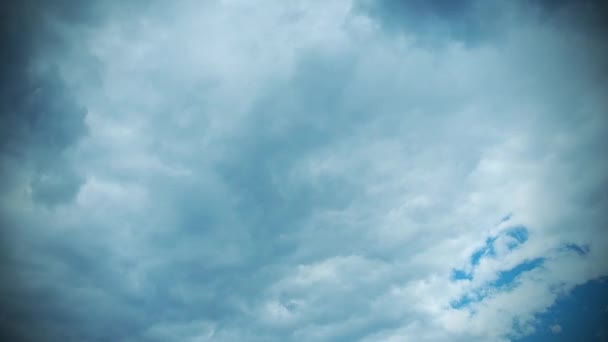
(473, 22)
(39, 116)
(594, 10)
(39, 120)
(437, 21)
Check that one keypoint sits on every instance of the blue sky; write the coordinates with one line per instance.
(348, 170)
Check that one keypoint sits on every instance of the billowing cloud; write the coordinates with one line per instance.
(301, 171)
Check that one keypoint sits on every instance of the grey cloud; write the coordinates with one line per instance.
(476, 22)
(39, 116)
(334, 206)
(437, 22)
(244, 220)
(588, 13)
(39, 120)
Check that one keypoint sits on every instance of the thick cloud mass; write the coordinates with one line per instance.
(301, 171)
(40, 118)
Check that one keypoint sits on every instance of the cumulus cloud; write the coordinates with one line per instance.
(288, 171)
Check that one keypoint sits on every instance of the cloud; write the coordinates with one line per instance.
(463, 20)
(471, 22)
(556, 328)
(294, 171)
(40, 118)
(40, 123)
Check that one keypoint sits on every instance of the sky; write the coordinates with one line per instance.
(306, 170)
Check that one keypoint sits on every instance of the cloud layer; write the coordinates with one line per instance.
(299, 171)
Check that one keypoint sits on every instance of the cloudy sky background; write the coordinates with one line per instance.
(229, 170)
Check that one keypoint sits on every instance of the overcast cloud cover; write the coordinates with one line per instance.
(345, 170)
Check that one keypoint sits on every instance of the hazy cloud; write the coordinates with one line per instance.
(556, 328)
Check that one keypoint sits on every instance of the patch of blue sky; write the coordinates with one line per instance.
(506, 218)
(460, 275)
(580, 250)
(487, 250)
(520, 233)
(462, 302)
(474, 296)
(581, 315)
(507, 278)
